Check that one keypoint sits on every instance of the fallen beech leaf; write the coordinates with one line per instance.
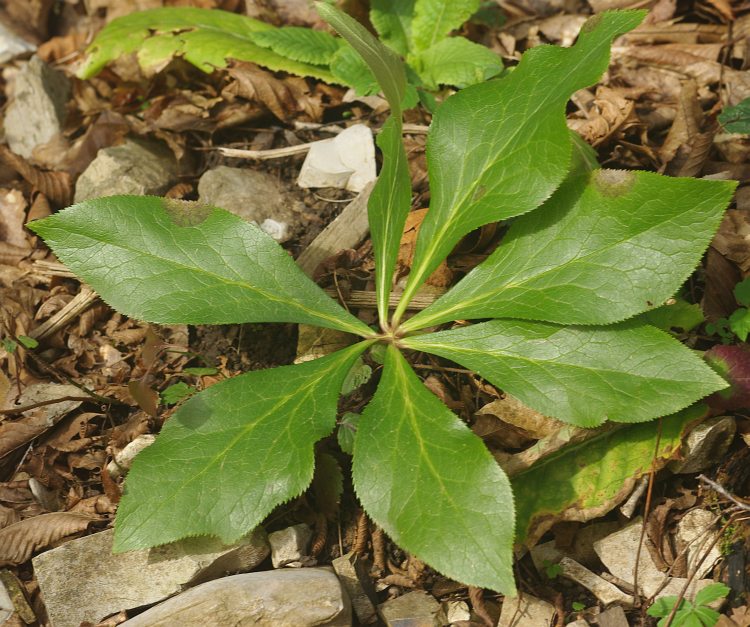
(442, 276)
(286, 98)
(8, 516)
(57, 186)
(19, 540)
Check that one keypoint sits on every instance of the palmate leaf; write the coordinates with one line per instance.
(232, 453)
(431, 484)
(435, 19)
(392, 19)
(171, 262)
(605, 247)
(586, 481)
(390, 199)
(458, 62)
(626, 373)
(206, 38)
(499, 149)
(300, 44)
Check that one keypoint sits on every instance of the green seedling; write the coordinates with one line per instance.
(588, 249)
(738, 323)
(416, 29)
(696, 614)
(736, 119)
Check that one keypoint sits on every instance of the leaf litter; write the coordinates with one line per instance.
(655, 109)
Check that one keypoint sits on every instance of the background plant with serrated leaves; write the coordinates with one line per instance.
(588, 250)
(418, 30)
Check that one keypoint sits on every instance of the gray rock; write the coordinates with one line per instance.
(706, 445)
(252, 195)
(304, 597)
(353, 575)
(129, 580)
(36, 111)
(289, 546)
(414, 609)
(12, 46)
(603, 590)
(618, 553)
(134, 167)
(697, 533)
(525, 611)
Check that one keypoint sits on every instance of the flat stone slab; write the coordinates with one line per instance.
(303, 597)
(129, 580)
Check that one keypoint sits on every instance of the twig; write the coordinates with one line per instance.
(723, 491)
(646, 511)
(22, 408)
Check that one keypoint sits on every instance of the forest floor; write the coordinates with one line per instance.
(655, 109)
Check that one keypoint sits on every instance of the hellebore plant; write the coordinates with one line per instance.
(587, 250)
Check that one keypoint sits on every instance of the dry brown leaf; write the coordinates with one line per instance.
(287, 99)
(8, 516)
(63, 47)
(721, 277)
(733, 238)
(19, 540)
(740, 617)
(514, 412)
(57, 186)
(608, 112)
(442, 275)
(724, 8)
(109, 129)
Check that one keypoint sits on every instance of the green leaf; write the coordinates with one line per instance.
(500, 148)
(392, 19)
(175, 262)
(175, 393)
(626, 373)
(706, 617)
(679, 315)
(430, 483)
(736, 119)
(346, 431)
(231, 454)
(206, 38)
(458, 62)
(349, 68)
(28, 342)
(300, 44)
(384, 62)
(742, 292)
(327, 484)
(435, 19)
(739, 322)
(356, 377)
(605, 247)
(662, 607)
(712, 592)
(387, 210)
(390, 200)
(584, 482)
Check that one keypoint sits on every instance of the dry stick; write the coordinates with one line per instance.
(646, 510)
(723, 491)
(22, 408)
